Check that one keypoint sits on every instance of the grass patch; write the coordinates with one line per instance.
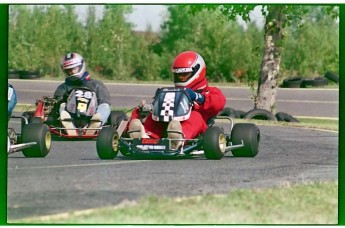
(306, 203)
(311, 123)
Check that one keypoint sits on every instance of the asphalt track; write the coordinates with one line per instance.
(72, 177)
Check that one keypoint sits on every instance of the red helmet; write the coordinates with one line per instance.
(189, 70)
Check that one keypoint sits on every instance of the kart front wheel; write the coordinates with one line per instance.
(214, 143)
(39, 133)
(250, 134)
(107, 143)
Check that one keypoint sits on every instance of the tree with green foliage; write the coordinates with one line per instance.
(110, 46)
(313, 49)
(277, 18)
(40, 35)
(219, 41)
(146, 64)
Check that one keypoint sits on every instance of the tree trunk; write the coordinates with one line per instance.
(267, 86)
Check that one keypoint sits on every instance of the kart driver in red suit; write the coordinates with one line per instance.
(189, 70)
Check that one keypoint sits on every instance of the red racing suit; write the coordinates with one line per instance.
(197, 122)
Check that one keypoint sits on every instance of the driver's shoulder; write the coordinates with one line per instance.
(93, 82)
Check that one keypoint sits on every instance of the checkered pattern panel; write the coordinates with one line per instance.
(167, 112)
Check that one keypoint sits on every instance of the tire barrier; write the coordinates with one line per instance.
(227, 111)
(24, 74)
(240, 114)
(299, 82)
(282, 116)
(292, 82)
(13, 74)
(259, 114)
(232, 113)
(307, 83)
(332, 77)
(320, 81)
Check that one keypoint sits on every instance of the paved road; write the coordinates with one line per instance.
(72, 177)
(296, 102)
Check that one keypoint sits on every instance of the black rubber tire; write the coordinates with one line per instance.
(214, 143)
(107, 143)
(259, 114)
(282, 116)
(116, 117)
(227, 111)
(250, 134)
(292, 82)
(320, 81)
(332, 77)
(307, 83)
(29, 74)
(240, 114)
(39, 133)
(13, 74)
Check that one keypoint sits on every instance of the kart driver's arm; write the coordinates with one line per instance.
(60, 91)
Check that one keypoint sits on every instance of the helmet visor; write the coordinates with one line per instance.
(72, 71)
(182, 77)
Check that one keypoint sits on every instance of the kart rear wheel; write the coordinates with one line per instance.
(107, 143)
(250, 134)
(214, 143)
(116, 117)
(39, 133)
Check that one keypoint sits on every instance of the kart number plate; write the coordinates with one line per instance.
(82, 107)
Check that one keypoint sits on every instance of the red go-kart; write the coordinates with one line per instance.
(221, 136)
(81, 104)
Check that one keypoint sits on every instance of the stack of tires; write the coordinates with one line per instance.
(299, 82)
(23, 74)
(258, 114)
(13, 74)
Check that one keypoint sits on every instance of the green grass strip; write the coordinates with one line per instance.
(306, 203)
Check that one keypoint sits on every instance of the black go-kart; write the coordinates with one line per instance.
(221, 136)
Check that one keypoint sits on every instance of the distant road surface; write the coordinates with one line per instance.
(311, 102)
